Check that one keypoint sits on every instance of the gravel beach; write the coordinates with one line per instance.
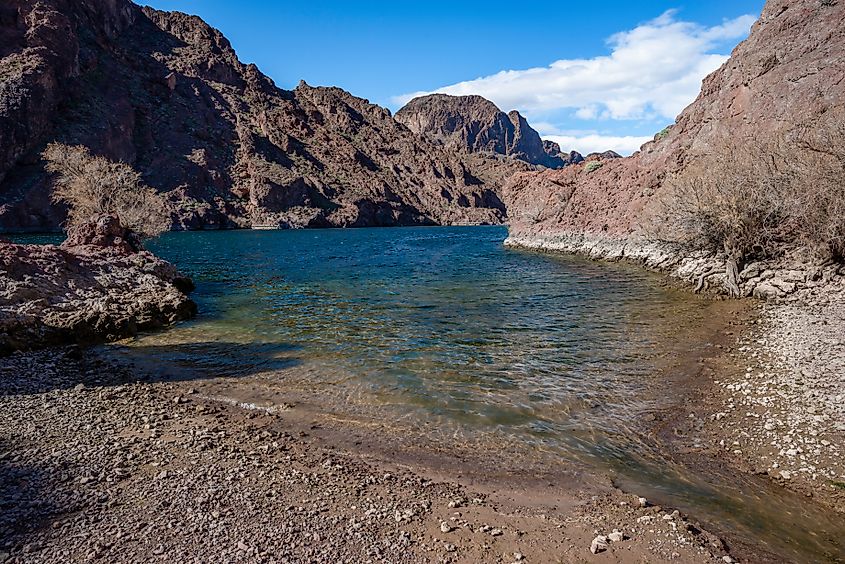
(97, 465)
(781, 412)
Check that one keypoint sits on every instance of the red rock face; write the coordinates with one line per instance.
(789, 72)
(103, 231)
(166, 93)
(474, 124)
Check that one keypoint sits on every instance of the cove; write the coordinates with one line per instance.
(450, 334)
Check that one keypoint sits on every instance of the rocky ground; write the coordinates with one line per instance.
(783, 412)
(98, 465)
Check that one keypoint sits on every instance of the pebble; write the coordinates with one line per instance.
(599, 544)
(225, 494)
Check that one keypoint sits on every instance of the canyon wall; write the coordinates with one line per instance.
(789, 74)
(167, 94)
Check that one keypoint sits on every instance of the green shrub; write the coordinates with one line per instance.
(592, 166)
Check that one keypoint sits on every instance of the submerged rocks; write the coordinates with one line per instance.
(93, 288)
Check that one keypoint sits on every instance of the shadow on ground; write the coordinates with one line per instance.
(113, 365)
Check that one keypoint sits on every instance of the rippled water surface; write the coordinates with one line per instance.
(450, 332)
(443, 321)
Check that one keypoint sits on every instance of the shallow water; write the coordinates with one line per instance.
(450, 332)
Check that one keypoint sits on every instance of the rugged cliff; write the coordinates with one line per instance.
(167, 94)
(474, 124)
(787, 76)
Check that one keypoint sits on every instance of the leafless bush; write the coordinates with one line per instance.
(92, 185)
(816, 199)
(756, 199)
(730, 203)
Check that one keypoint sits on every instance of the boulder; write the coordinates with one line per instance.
(767, 291)
(103, 231)
(86, 293)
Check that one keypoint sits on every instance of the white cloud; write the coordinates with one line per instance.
(653, 71)
(596, 143)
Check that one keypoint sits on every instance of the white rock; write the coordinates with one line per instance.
(616, 536)
(599, 544)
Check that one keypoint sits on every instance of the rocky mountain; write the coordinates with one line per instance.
(474, 124)
(788, 75)
(167, 94)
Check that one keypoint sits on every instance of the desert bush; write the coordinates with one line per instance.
(748, 198)
(816, 198)
(92, 185)
(592, 166)
(728, 204)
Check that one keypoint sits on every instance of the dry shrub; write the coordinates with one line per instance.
(751, 199)
(816, 199)
(92, 185)
(728, 204)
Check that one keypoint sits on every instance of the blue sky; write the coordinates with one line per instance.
(585, 76)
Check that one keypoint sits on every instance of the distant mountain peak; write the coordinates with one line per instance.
(476, 125)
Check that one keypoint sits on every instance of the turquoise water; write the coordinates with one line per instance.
(451, 334)
(443, 321)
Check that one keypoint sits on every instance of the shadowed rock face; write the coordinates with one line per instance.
(789, 73)
(166, 93)
(476, 125)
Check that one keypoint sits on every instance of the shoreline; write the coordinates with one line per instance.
(771, 403)
(776, 280)
(135, 470)
(794, 336)
(146, 441)
(106, 443)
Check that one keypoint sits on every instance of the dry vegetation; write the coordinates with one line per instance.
(92, 185)
(753, 200)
